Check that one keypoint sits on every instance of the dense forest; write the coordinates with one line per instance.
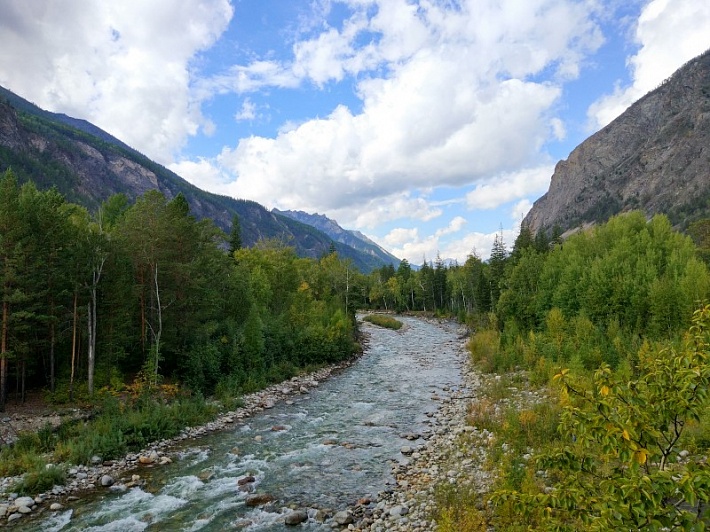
(146, 291)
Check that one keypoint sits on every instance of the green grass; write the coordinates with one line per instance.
(384, 321)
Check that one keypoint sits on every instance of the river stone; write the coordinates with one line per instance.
(3, 510)
(14, 517)
(344, 517)
(55, 506)
(398, 511)
(296, 518)
(24, 509)
(24, 501)
(106, 481)
(258, 499)
(246, 480)
(406, 450)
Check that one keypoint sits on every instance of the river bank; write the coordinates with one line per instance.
(434, 457)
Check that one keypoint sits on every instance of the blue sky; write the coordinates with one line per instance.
(428, 125)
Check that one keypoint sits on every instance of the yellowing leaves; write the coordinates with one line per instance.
(640, 456)
(604, 390)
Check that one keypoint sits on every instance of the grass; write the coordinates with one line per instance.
(384, 321)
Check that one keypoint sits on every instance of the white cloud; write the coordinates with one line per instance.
(247, 112)
(478, 243)
(124, 66)
(520, 210)
(668, 34)
(509, 187)
(474, 113)
(409, 244)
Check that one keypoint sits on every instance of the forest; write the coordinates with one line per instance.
(610, 326)
(610, 330)
(146, 293)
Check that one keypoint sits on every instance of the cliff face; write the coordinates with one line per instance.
(654, 157)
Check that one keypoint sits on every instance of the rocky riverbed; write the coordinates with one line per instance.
(446, 451)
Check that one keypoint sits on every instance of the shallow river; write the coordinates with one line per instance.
(333, 445)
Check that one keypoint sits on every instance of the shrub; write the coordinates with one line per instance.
(42, 478)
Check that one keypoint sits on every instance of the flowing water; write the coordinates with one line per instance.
(326, 450)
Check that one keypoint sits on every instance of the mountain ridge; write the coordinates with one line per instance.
(354, 239)
(87, 165)
(654, 157)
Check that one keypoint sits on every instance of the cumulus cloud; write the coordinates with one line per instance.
(410, 244)
(509, 187)
(668, 34)
(476, 110)
(123, 66)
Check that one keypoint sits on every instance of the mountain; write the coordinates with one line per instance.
(87, 165)
(354, 239)
(655, 157)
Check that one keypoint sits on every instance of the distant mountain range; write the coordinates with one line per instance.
(354, 239)
(655, 157)
(87, 165)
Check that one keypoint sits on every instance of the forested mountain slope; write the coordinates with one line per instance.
(655, 157)
(87, 165)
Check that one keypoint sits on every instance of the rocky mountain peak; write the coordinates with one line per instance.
(654, 157)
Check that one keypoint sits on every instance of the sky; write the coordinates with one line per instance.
(429, 125)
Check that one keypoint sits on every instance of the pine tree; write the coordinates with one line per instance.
(235, 235)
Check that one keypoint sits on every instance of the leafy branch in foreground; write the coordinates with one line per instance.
(621, 467)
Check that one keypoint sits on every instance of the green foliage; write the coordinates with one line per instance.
(618, 466)
(384, 321)
(40, 479)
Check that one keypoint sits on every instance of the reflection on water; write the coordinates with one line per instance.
(326, 450)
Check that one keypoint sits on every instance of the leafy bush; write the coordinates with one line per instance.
(618, 466)
(42, 478)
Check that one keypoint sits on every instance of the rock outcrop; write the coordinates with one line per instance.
(654, 157)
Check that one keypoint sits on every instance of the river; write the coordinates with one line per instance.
(325, 450)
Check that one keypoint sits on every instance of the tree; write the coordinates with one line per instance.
(12, 233)
(235, 235)
(619, 467)
(523, 241)
(497, 262)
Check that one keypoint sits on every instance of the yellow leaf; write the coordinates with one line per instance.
(604, 390)
(640, 456)
(625, 434)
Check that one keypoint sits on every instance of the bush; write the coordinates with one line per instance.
(42, 478)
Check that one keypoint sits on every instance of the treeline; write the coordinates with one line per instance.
(147, 292)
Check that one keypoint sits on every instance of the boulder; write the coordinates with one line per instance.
(246, 480)
(106, 481)
(296, 517)
(343, 518)
(24, 501)
(258, 499)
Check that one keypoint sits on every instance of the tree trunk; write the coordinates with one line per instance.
(73, 346)
(159, 332)
(52, 340)
(3, 355)
(91, 355)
